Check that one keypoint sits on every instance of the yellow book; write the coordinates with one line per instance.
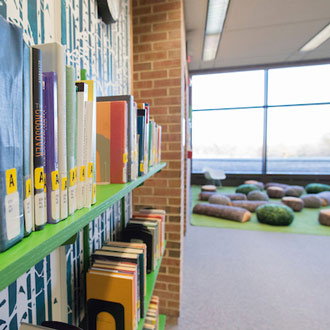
(112, 287)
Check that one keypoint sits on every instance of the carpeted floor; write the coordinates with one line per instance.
(305, 222)
(254, 280)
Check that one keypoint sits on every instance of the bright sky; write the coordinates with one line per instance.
(239, 132)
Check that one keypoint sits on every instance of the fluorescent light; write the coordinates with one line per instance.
(319, 39)
(216, 14)
(211, 42)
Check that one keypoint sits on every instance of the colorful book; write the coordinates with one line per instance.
(115, 128)
(51, 147)
(11, 136)
(71, 138)
(141, 137)
(37, 132)
(131, 126)
(103, 138)
(53, 60)
(82, 94)
(27, 185)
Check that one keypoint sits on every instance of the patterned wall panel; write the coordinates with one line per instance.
(103, 50)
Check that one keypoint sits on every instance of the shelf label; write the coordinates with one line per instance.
(90, 170)
(28, 188)
(11, 181)
(39, 178)
(12, 215)
(55, 180)
(82, 173)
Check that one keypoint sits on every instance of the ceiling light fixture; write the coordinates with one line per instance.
(318, 40)
(216, 14)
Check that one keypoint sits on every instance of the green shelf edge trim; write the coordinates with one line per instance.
(21, 257)
(162, 321)
(151, 282)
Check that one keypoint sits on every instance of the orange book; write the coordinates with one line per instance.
(111, 142)
(103, 138)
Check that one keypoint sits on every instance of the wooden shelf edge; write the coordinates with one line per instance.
(21, 257)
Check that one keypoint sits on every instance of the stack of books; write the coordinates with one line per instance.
(148, 226)
(151, 321)
(128, 141)
(117, 275)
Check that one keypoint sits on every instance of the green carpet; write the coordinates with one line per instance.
(305, 222)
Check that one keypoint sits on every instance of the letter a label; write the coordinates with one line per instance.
(39, 178)
(11, 180)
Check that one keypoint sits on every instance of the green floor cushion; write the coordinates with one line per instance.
(314, 188)
(246, 188)
(275, 215)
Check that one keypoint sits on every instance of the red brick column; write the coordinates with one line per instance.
(158, 79)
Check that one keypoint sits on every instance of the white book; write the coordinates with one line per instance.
(82, 95)
(53, 60)
(88, 152)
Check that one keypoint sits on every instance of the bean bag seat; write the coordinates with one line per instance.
(209, 187)
(256, 195)
(259, 184)
(236, 196)
(248, 205)
(294, 191)
(205, 195)
(275, 215)
(246, 188)
(325, 197)
(295, 203)
(219, 199)
(222, 211)
(312, 201)
(275, 192)
(314, 188)
(324, 217)
(276, 184)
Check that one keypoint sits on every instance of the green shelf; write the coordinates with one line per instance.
(151, 281)
(21, 257)
(162, 321)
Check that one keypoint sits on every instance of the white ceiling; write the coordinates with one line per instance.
(258, 32)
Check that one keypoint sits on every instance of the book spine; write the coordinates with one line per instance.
(11, 136)
(88, 153)
(130, 145)
(150, 127)
(71, 138)
(118, 142)
(82, 92)
(141, 134)
(38, 140)
(146, 140)
(62, 150)
(51, 147)
(27, 186)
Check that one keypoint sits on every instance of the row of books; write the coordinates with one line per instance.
(56, 141)
(116, 280)
(128, 140)
(151, 321)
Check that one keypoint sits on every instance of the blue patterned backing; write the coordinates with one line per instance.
(104, 52)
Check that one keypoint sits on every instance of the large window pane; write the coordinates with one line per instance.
(309, 84)
(230, 140)
(228, 90)
(299, 140)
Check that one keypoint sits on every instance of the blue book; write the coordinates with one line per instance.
(141, 133)
(51, 147)
(11, 135)
(27, 181)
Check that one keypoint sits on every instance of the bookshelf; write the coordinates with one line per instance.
(21, 257)
(162, 320)
(151, 281)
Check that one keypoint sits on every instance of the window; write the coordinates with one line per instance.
(230, 131)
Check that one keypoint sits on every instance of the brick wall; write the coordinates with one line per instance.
(158, 79)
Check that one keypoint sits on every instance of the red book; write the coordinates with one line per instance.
(116, 129)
